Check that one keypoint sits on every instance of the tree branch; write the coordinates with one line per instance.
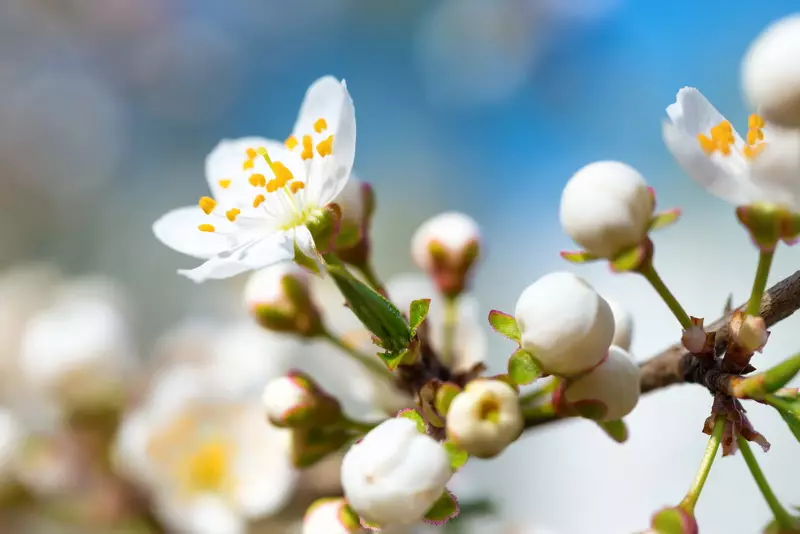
(676, 366)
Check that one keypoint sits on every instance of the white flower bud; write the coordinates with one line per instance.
(278, 297)
(609, 391)
(623, 325)
(395, 474)
(330, 516)
(295, 400)
(485, 418)
(564, 323)
(446, 247)
(771, 73)
(606, 208)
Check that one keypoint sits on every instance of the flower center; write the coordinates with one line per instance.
(489, 409)
(282, 181)
(207, 468)
(722, 140)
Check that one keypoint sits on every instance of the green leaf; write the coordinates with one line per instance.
(443, 510)
(523, 368)
(505, 325)
(617, 429)
(628, 260)
(418, 312)
(458, 456)
(578, 257)
(374, 311)
(414, 415)
(664, 219)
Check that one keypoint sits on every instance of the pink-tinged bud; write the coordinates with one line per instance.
(295, 401)
(608, 392)
(748, 332)
(330, 516)
(279, 299)
(447, 247)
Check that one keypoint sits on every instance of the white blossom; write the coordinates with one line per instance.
(265, 193)
(613, 385)
(564, 323)
(771, 72)
(762, 167)
(485, 418)
(623, 325)
(395, 474)
(606, 208)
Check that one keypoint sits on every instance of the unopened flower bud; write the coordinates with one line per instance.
(606, 208)
(608, 392)
(446, 247)
(279, 298)
(296, 401)
(395, 474)
(357, 203)
(771, 73)
(485, 418)
(748, 332)
(623, 325)
(330, 516)
(564, 323)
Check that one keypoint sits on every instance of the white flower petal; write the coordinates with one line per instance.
(305, 243)
(201, 515)
(178, 230)
(224, 162)
(692, 113)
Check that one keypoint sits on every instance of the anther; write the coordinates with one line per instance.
(291, 142)
(258, 200)
(207, 204)
(320, 126)
(224, 184)
(308, 151)
(325, 147)
(297, 186)
(206, 228)
(232, 213)
(257, 180)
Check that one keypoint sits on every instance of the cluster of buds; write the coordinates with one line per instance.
(279, 299)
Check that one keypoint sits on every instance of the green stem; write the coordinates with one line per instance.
(450, 324)
(372, 364)
(649, 272)
(368, 271)
(760, 282)
(688, 503)
(780, 513)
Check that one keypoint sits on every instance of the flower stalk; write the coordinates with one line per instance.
(760, 282)
(652, 276)
(690, 500)
(450, 324)
(781, 515)
(372, 364)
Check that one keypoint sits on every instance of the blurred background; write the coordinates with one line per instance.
(109, 107)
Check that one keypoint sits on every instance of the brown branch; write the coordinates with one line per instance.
(675, 365)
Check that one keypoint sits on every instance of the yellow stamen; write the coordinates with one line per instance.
(224, 184)
(755, 121)
(207, 468)
(272, 186)
(251, 155)
(752, 152)
(258, 200)
(232, 213)
(282, 174)
(325, 147)
(706, 143)
(308, 151)
(206, 228)
(257, 180)
(207, 204)
(321, 125)
(721, 139)
(297, 186)
(291, 142)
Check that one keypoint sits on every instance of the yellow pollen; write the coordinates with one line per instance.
(291, 142)
(257, 180)
(297, 186)
(282, 174)
(224, 184)
(721, 139)
(325, 147)
(258, 200)
(206, 228)
(321, 125)
(251, 153)
(207, 204)
(232, 213)
(751, 152)
(207, 468)
(308, 151)
(272, 186)
(755, 121)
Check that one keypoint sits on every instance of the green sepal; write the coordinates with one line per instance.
(629, 260)
(766, 223)
(523, 368)
(305, 262)
(417, 313)
(310, 445)
(458, 456)
(616, 430)
(674, 521)
(443, 510)
(392, 359)
(445, 393)
(578, 257)
(663, 219)
(414, 415)
(505, 325)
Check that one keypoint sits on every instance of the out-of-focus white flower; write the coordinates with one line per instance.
(210, 460)
(771, 73)
(395, 474)
(485, 418)
(763, 167)
(267, 194)
(606, 208)
(564, 323)
(623, 325)
(78, 351)
(279, 300)
(609, 391)
(446, 247)
(331, 516)
(11, 435)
